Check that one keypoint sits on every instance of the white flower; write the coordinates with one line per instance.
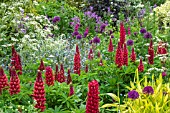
(3, 5)
(26, 36)
(147, 44)
(43, 7)
(150, 69)
(147, 55)
(51, 56)
(35, 2)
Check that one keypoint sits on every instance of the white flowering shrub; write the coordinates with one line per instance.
(17, 26)
(163, 13)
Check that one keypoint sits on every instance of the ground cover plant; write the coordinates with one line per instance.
(56, 58)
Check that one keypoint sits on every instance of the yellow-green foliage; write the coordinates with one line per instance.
(159, 102)
(163, 13)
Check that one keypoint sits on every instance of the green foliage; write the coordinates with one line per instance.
(153, 2)
(61, 9)
(157, 102)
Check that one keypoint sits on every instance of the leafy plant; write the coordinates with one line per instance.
(156, 102)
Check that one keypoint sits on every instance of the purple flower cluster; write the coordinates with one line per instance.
(112, 36)
(143, 30)
(79, 36)
(75, 21)
(135, 33)
(148, 90)
(133, 94)
(90, 14)
(56, 19)
(102, 27)
(91, 41)
(147, 35)
(96, 40)
(75, 33)
(141, 13)
(129, 42)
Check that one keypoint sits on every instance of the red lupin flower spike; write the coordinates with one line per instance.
(141, 66)
(69, 80)
(92, 104)
(77, 62)
(119, 56)
(13, 51)
(49, 78)
(122, 34)
(61, 77)
(101, 62)
(18, 66)
(110, 47)
(16, 61)
(86, 68)
(90, 55)
(151, 53)
(14, 82)
(125, 55)
(98, 54)
(71, 90)
(56, 71)
(42, 66)
(39, 92)
(161, 49)
(133, 55)
(3, 80)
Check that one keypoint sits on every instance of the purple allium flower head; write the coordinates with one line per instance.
(91, 41)
(85, 34)
(129, 42)
(135, 33)
(112, 36)
(148, 90)
(133, 94)
(96, 40)
(142, 30)
(102, 27)
(79, 36)
(110, 32)
(56, 19)
(164, 74)
(147, 35)
(75, 33)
